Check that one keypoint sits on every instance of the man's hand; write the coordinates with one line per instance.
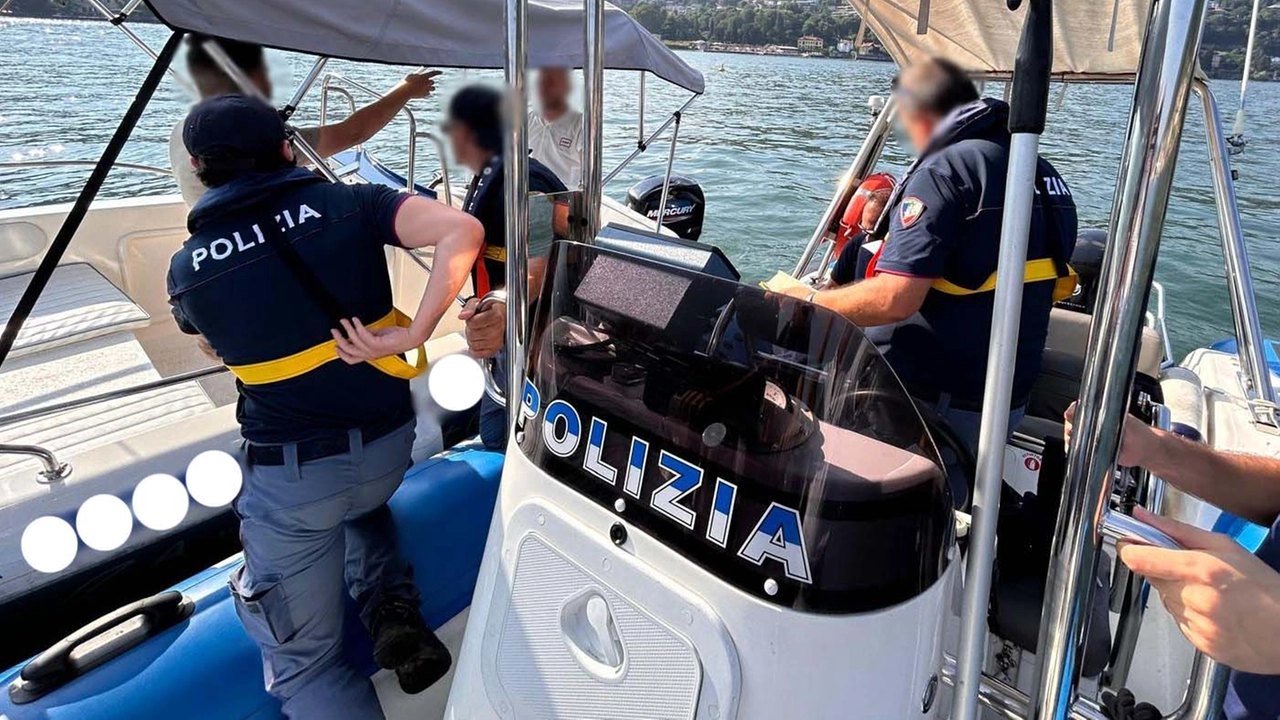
(1137, 445)
(362, 344)
(420, 85)
(1225, 600)
(486, 330)
(799, 292)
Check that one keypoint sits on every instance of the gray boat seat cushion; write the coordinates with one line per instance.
(78, 304)
(1062, 363)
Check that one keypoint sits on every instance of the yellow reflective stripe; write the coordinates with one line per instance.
(1036, 271)
(495, 252)
(301, 363)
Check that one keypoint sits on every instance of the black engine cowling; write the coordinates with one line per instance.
(686, 205)
(1091, 244)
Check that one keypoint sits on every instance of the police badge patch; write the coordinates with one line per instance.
(912, 209)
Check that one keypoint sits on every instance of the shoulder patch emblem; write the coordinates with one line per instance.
(912, 209)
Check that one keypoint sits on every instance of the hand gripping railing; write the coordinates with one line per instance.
(491, 386)
(1206, 685)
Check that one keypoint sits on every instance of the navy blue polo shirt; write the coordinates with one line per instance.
(1250, 696)
(944, 222)
(228, 285)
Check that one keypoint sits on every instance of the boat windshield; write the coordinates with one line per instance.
(762, 437)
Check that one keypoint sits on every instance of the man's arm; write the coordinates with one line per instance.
(878, 300)
(1243, 485)
(456, 237)
(368, 120)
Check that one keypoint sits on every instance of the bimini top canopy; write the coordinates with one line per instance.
(1093, 40)
(437, 33)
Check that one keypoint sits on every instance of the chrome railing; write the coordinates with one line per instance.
(861, 166)
(1244, 306)
(327, 86)
(1161, 95)
(31, 164)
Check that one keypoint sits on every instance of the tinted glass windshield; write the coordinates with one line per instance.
(762, 436)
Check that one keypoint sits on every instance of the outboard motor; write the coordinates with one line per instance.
(718, 503)
(686, 205)
(1086, 260)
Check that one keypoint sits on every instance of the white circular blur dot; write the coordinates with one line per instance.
(104, 522)
(160, 502)
(49, 544)
(456, 382)
(214, 478)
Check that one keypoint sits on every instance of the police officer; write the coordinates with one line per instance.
(927, 300)
(277, 259)
(475, 128)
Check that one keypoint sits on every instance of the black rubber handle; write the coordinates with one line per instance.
(1030, 97)
(55, 667)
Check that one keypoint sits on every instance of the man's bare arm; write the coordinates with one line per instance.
(878, 300)
(368, 120)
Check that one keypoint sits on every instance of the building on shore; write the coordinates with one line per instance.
(809, 43)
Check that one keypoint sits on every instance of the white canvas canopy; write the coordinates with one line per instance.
(1095, 40)
(436, 33)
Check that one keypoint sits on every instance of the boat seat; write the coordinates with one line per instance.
(206, 668)
(1062, 364)
(77, 304)
(65, 372)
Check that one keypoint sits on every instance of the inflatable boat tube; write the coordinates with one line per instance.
(184, 654)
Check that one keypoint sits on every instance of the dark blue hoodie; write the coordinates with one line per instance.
(944, 222)
(228, 285)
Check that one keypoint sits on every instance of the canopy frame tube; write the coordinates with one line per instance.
(515, 189)
(592, 112)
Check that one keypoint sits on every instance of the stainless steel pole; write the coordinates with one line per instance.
(292, 106)
(1161, 95)
(1026, 124)
(640, 119)
(666, 179)
(592, 115)
(516, 201)
(1244, 306)
(105, 12)
(644, 145)
(859, 168)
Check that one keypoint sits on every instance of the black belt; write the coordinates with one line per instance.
(309, 450)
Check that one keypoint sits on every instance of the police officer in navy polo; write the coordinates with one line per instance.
(278, 258)
(926, 301)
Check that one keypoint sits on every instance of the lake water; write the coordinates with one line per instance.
(767, 142)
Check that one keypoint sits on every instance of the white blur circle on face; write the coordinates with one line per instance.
(214, 478)
(456, 382)
(160, 502)
(104, 522)
(49, 544)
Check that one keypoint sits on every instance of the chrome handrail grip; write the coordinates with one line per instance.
(1244, 306)
(862, 163)
(324, 104)
(53, 471)
(1161, 95)
(444, 165)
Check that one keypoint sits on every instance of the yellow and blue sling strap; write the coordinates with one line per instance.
(1054, 267)
(303, 362)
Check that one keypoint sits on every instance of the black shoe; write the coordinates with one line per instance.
(399, 633)
(426, 667)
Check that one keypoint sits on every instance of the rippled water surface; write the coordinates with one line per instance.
(767, 142)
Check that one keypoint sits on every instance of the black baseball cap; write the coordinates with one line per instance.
(234, 132)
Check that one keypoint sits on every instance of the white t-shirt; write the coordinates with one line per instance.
(558, 145)
(180, 162)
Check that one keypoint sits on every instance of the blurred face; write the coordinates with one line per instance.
(553, 90)
(872, 210)
(465, 150)
(918, 126)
